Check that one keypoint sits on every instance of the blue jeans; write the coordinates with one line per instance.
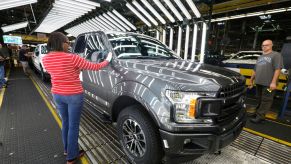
(2, 79)
(70, 108)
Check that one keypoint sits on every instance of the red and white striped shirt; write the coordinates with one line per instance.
(65, 68)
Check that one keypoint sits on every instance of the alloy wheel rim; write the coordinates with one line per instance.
(133, 138)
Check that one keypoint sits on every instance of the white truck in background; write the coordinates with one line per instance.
(39, 52)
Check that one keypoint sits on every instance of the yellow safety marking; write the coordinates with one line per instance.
(3, 90)
(271, 115)
(274, 121)
(52, 110)
(267, 136)
(84, 159)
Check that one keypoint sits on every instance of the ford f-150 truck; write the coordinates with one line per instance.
(165, 107)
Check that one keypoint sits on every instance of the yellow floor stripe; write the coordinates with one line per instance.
(268, 137)
(84, 160)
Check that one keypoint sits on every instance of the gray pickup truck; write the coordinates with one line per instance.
(166, 108)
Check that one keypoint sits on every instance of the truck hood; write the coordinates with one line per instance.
(185, 75)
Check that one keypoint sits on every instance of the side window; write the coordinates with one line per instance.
(80, 46)
(43, 50)
(95, 49)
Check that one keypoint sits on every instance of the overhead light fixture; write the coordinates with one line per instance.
(13, 27)
(142, 10)
(164, 36)
(7, 4)
(186, 42)
(112, 27)
(123, 19)
(138, 14)
(164, 10)
(237, 16)
(118, 20)
(275, 11)
(183, 9)
(194, 42)
(160, 18)
(64, 12)
(203, 42)
(106, 26)
(194, 8)
(259, 13)
(174, 10)
(171, 38)
(157, 34)
(179, 41)
(114, 22)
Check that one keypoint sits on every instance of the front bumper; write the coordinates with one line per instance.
(185, 144)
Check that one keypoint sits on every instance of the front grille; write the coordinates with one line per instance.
(232, 90)
(232, 104)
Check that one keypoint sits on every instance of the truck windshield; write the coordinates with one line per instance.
(130, 46)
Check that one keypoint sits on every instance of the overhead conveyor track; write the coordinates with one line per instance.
(100, 142)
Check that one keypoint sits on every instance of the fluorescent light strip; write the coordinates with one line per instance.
(64, 12)
(138, 14)
(12, 4)
(91, 25)
(194, 8)
(164, 10)
(62, 5)
(107, 27)
(186, 42)
(171, 38)
(164, 36)
(89, 3)
(174, 10)
(119, 21)
(111, 26)
(160, 18)
(251, 14)
(203, 42)
(123, 19)
(142, 10)
(96, 25)
(81, 4)
(275, 11)
(99, 24)
(183, 9)
(114, 22)
(157, 35)
(179, 41)
(194, 42)
(13, 27)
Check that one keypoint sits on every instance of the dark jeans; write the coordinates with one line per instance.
(265, 100)
(70, 108)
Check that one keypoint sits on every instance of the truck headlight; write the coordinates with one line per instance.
(185, 105)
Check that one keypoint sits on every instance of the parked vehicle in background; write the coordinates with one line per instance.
(244, 62)
(242, 59)
(164, 106)
(39, 52)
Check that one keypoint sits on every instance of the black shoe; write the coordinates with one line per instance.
(257, 120)
(4, 86)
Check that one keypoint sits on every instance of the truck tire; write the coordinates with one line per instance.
(138, 136)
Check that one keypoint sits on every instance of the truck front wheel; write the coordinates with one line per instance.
(138, 136)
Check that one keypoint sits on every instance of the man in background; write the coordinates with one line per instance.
(266, 74)
(23, 58)
(3, 57)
